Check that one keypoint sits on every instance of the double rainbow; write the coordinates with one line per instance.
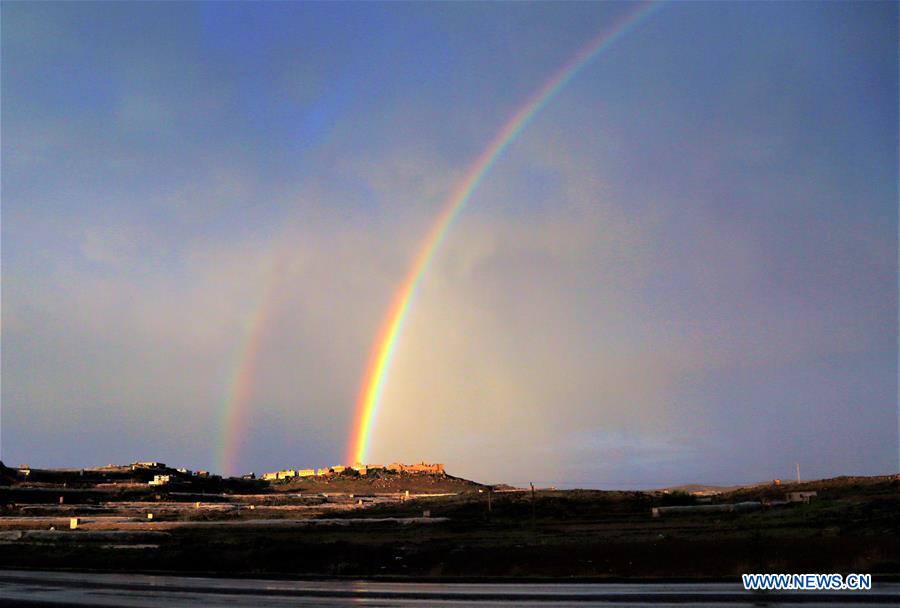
(382, 353)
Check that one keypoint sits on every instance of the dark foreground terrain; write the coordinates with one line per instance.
(851, 525)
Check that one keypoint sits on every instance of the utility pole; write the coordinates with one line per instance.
(532, 505)
(798, 472)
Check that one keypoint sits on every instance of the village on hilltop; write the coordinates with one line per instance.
(154, 473)
(359, 468)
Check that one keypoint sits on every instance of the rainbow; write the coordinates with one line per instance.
(239, 389)
(385, 345)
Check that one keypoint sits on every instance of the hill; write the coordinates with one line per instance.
(380, 482)
(155, 478)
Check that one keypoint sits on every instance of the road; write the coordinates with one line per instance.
(30, 588)
(38, 525)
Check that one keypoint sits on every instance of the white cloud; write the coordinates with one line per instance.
(540, 340)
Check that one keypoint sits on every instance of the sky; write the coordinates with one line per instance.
(683, 270)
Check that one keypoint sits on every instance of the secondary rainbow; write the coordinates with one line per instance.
(239, 388)
(379, 364)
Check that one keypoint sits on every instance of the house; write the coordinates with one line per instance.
(306, 472)
(338, 468)
(803, 497)
(287, 474)
(160, 480)
(270, 476)
(323, 472)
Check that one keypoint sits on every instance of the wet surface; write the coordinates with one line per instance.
(73, 589)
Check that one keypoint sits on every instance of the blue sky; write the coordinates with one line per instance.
(684, 269)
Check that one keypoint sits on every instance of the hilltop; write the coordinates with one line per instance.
(380, 482)
(143, 479)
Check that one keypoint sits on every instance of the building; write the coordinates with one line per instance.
(359, 467)
(284, 474)
(148, 465)
(422, 467)
(160, 480)
(803, 497)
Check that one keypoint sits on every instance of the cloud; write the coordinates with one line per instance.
(574, 333)
(532, 327)
(657, 282)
